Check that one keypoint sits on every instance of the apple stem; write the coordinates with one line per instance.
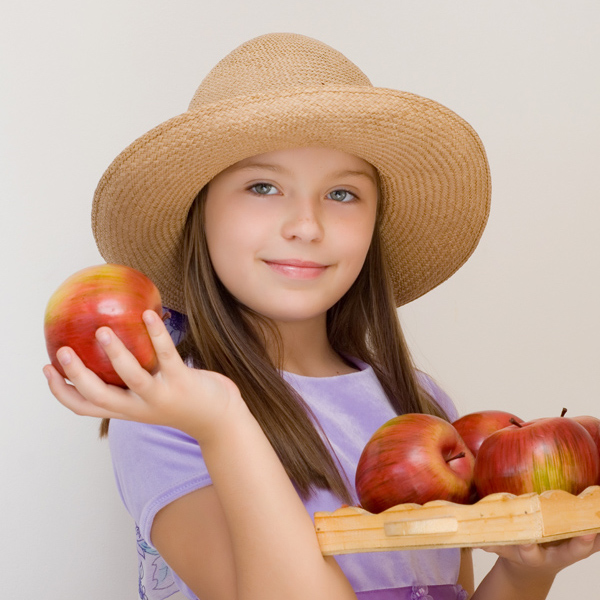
(515, 422)
(459, 455)
(564, 412)
(166, 315)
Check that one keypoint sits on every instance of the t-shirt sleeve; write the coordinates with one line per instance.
(438, 394)
(153, 466)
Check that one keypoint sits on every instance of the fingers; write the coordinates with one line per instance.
(584, 545)
(528, 554)
(126, 365)
(554, 555)
(89, 395)
(87, 383)
(68, 395)
(167, 354)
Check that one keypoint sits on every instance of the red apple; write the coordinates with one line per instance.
(475, 427)
(553, 453)
(414, 458)
(592, 426)
(113, 295)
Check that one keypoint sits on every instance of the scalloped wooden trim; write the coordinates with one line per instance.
(495, 519)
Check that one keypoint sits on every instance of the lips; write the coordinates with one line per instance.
(297, 269)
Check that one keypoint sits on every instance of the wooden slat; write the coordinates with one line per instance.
(565, 514)
(496, 519)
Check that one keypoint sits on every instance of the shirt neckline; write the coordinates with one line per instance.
(362, 367)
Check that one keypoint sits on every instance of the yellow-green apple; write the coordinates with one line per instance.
(414, 458)
(476, 426)
(552, 453)
(112, 295)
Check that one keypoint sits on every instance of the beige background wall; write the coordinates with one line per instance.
(517, 328)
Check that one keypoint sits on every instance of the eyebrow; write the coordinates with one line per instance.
(257, 165)
(279, 169)
(351, 173)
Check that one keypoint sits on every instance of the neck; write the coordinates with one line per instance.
(306, 349)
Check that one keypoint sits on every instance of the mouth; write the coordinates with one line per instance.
(297, 269)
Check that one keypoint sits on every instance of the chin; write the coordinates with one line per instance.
(291, 309)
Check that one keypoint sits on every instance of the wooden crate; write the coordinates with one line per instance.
(496, 519)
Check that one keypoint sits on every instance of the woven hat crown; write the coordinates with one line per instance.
(282, 91)
(273, 63)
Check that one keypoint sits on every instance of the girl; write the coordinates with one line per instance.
(286, 215)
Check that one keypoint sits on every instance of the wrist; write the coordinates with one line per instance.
(233, 424)
(215, 409)
(523, 576)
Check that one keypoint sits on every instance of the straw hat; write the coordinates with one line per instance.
(282, 91)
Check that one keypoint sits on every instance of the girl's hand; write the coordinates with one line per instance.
(547, 558)
(194, 401)
(528, 570)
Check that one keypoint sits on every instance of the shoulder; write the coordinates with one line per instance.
(438, 394)
(132, 434)
(137, 445)
(153, 466)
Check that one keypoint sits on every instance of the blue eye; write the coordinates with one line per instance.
(341, 195)
(263, 189)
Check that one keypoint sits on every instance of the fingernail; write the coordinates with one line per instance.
(46, 372)
(64, 356)
(103, 337)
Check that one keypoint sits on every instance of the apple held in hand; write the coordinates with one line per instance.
(112, 295)
(475, 427)
(414, 458)
(553, 453)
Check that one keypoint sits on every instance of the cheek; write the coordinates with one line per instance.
(232, 242)
(356, 241)
(226, 251)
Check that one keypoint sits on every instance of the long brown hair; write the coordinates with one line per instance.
(222, 336)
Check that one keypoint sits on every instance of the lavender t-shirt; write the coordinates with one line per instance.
(156, 465)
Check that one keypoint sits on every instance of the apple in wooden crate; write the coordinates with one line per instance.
(112, 295)
(414, 458)
(476, 426)
(592, 426)
(551, 453)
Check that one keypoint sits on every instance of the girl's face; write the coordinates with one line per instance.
(288, 231)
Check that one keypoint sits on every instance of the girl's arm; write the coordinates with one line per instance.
(267, 544)
(195, 537)
(466, 576)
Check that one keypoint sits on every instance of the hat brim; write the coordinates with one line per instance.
(433, 169)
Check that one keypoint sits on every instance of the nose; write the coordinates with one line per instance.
(303, 220)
